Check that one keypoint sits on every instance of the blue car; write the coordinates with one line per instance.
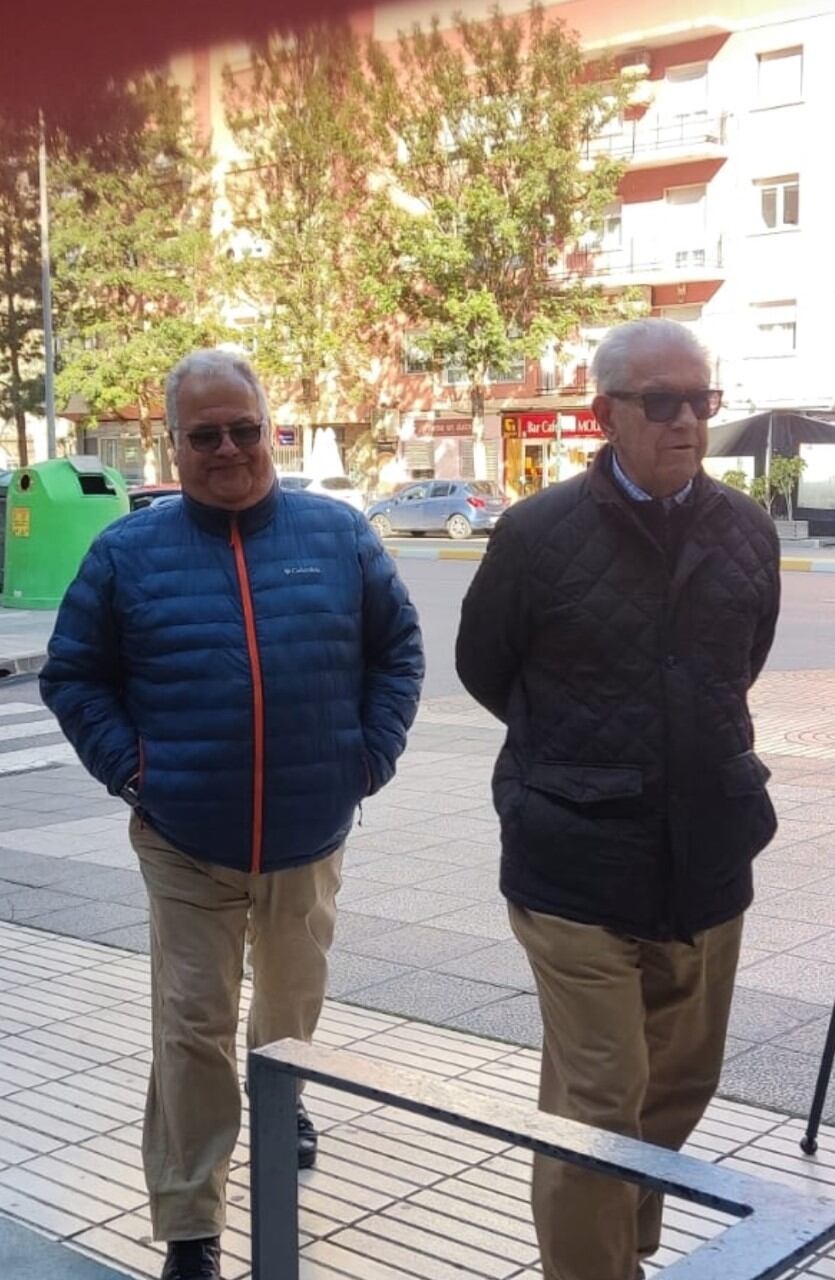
(459, 508)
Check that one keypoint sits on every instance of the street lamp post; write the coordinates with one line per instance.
(46, 299)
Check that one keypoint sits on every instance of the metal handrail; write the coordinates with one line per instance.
(648, 135)
(778, 1227)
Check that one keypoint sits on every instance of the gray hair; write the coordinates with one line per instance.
(611, 360)
(210, 363)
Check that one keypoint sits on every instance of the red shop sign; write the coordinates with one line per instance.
(537, 426)
(443, 427)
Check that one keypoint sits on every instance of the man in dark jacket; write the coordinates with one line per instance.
(242, 667)
(615, 626)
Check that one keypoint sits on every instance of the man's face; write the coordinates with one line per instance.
(231, 476)
(659, 456)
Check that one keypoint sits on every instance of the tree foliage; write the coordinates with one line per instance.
(299, 202)
(132, 250)
(21, 361)
(488, 181)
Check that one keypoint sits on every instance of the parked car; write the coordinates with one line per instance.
(338, 487)
(457, 507)
(143, 495)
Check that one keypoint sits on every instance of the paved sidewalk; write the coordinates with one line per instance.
(422, 930)
(395, 1197)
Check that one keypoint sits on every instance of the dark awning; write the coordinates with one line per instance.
(750, 436)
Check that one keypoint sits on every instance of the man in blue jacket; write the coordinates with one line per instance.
(241, 667)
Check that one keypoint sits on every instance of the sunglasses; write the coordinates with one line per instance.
(665, 406)
(244, 435)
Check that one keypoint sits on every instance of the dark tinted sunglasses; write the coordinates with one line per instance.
(244, 435)
(665, 406)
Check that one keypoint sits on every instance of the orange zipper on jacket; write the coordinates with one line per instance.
(257, 697)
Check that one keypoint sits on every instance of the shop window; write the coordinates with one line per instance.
(778, 203)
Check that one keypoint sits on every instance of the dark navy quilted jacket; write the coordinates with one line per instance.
(259, 671)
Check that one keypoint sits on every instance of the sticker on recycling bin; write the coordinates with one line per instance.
(21, 522)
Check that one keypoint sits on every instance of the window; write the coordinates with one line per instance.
(685, 91)
(440, 491)
(685, 215)
(778, 203)
(607, 237)
(690, 316)
(417, 358)
(779, 77)
(775, 328)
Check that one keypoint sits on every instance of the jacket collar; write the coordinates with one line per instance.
(604, 487)
(218, 521)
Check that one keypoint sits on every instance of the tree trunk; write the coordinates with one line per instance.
(479, 450)
(14, 347)
(146, 432)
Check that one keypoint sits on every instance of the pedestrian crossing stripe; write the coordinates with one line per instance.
(40, 723)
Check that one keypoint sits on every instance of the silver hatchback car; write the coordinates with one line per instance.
(459, 508)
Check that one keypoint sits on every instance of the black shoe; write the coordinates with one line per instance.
(193, 1260)
(308, 1139)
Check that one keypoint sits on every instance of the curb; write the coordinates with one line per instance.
(788, 564)
(27, 665)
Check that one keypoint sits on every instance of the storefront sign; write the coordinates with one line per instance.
(285, 436)
(543, 426)
(435, 427)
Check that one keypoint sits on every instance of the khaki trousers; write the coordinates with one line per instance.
(201, 919)
(634, 1034)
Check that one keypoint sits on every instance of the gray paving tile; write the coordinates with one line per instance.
(790, 975)
(808, 1038)
(364, 846)
(770, 933)
(777, 873)
(31, 869)
(18, 902)
(757, 1016)
(102, 883)
(462, 828)
(771, 1077)
(516, 1019)
(353, 926)
(88, 921)
(348, 973)
(133, 937)
(393, 869)
(417, 945)
(820, 948)
(734, 1046)
(485, 920)
(411, 906)
(809, 907)
(502, 962)
(429, 996)
(477, 883)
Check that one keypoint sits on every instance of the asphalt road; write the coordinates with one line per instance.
(805, 635)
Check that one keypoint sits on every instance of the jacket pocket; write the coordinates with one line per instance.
(743, 775)
(585, 784)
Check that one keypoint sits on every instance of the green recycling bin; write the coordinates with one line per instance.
(53, 512)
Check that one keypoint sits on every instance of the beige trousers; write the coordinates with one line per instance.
(634, 1035)
(201, 918)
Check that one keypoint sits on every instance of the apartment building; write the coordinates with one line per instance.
(722, 223)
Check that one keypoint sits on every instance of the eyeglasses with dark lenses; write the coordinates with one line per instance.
(665, 406)
(244, 435)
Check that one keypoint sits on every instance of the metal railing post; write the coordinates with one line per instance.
(274, 1173)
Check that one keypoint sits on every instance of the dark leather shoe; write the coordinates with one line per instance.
(308, 1139)
(193, 1260)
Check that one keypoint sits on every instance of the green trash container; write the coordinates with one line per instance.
(53, 512)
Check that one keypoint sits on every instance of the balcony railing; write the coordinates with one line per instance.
(565, 382)
(640, 261)
(648, 137)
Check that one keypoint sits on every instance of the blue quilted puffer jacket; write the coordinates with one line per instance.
(258, 670)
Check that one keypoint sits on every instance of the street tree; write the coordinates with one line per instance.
(489, 181)
(21, 356)
(298, 201)
(133, 253)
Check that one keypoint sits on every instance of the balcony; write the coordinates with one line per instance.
(646, 262)
(562, 382)
(652, 142)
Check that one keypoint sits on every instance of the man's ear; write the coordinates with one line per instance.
(601, 407)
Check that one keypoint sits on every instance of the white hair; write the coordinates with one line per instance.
(210, 363)
(610, 366)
